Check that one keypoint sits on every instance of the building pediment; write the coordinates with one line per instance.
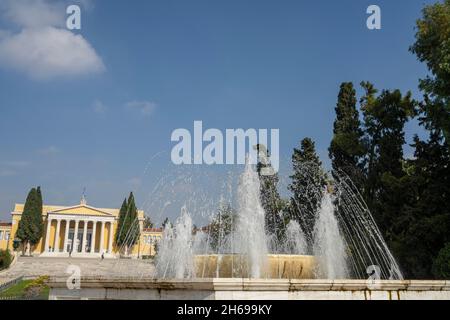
(82, 210)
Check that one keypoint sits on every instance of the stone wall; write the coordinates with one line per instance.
(250, 289)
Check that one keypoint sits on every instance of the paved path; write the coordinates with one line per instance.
(35, 266)
(4, 279)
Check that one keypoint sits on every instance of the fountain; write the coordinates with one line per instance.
(245, 261)
(338, 250)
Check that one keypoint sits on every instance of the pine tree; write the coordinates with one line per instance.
(346, 150)
(423, 225)
(307, 186)
(31, 226)
(384, 120)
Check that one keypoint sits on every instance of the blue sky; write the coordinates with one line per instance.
(112, 93)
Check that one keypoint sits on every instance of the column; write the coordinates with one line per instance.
(94, 225)
(47, 237)
(66, 235)
(75, 235)
(83, 244)
(110, 243)
(102, 233)
(56, 244)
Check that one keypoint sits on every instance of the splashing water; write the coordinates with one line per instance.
(176, 258)
(329, 246)
(295, 239)
(342, 235)
(250, 230)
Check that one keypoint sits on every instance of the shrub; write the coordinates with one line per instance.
(441, 265)
(36, 287)
(5, 259)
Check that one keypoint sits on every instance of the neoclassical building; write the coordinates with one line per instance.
(81, 231)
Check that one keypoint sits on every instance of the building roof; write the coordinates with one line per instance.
(81, 208)
(152, 230)
(5, 224)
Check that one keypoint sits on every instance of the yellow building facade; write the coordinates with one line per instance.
(5, 235)
(82, 231)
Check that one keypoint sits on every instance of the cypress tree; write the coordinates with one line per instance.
(308, 183)
(128, 229)
(270, 197)
(121, 228)
(346, 150)
(133, 222)
(31, 225)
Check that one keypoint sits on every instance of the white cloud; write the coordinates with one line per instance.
(49, 52)
(146, 108)
(99, 107)
(16, 163)
(134, 183)
(34, 13)
(11, 168)
(49, 150)
(43, 48)
(7, 173)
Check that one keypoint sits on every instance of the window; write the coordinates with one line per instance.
(7, 236)
(1, 235)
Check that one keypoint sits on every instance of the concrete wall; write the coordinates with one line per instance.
(250, 289)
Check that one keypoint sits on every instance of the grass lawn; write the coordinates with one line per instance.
(17, 291)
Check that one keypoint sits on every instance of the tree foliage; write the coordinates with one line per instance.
(128, 229)
(308, 183)
(385, 117)
(441, 266)
(31, 225)
(346, 150)
(432, 46)
(270, 197)
(148, 222)
(221, 226)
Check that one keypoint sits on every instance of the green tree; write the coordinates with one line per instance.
(432, 46)
(221, 226)
(441, 265)
(5, 259)
(31, 225)
(270, 197)
(166, 223)
(121, 225)
(346, 150)
(128, 230)
(423, 225)
(307, 186)
(148, 222)
(385, 116)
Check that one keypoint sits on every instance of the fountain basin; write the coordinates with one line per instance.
(278, 266)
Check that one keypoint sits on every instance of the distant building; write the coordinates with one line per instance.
(80, 231)
(5, 235)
